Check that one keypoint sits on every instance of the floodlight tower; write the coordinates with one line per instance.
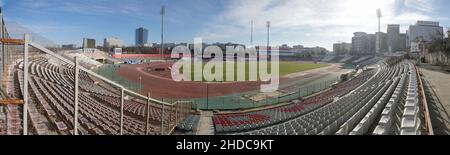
(251, 34)
(379, 15)
(268, 34)
(163, 11)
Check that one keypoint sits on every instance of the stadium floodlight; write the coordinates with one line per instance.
(251, 34)
(268, 34)
(379, 15)
(163, 11)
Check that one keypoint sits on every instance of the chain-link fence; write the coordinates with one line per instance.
(248, 100)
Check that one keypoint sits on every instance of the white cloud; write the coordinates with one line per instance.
(323, 19)
(420, 5)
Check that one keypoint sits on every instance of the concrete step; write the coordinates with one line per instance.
(205, 126)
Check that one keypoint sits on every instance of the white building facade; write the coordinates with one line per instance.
(424, 31)
(112, 42)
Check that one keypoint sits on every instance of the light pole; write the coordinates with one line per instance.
(163, 11)
(140, 83)
(251, 34)
(207, 96)
(268, 36)
(379, 15)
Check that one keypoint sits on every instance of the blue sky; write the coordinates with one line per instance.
(305, 22)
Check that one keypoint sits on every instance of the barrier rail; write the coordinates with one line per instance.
(428, 124)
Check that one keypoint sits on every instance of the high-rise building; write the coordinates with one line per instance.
(381, 42)
(359, 43)
(424, 31)
(448, 33)
(402, 42)
(112, 42)
(371, 44)
(88, 43)
(342, 48)
(363, 44)
(393, 34)
(69, 46)
(141, 36)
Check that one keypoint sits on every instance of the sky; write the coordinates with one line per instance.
(293, 22)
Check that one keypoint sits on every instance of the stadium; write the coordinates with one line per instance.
(48, 92)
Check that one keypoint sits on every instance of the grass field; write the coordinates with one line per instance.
(285, 68)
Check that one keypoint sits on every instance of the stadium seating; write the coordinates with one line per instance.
(189, 124)
(380, 101)
(51, 105)
(249, 121)
(385, 104)
(2, 121)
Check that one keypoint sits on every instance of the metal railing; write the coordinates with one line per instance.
(424, 105)
(24, 58)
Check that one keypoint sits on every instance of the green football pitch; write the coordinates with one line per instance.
(285, 68)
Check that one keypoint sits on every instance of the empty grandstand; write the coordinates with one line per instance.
(385, 102)
(44, 93)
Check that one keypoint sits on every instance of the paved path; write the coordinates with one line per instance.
(439, 82)
(206, 126)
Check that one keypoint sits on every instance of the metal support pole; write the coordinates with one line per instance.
(170, 117)
(75, 117)
(121, 110)
(268, 37)
(163, 11)
(162, 120)
(148, 116)
(207, 96)
(176, 114)
(279, 97)
(25, 85)
(140, 83)
(3, 36)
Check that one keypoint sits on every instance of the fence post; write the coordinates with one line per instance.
(75, 117)
(147, 125)
(307, 91)
(25, 85)
(170, 117)
(176, 114)
(121, 110)
(3, 46)
(162, 119)
(279, 94)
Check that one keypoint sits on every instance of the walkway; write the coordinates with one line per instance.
(439, 103)
(206, 126)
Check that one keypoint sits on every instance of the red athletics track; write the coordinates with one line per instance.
(161, 85)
